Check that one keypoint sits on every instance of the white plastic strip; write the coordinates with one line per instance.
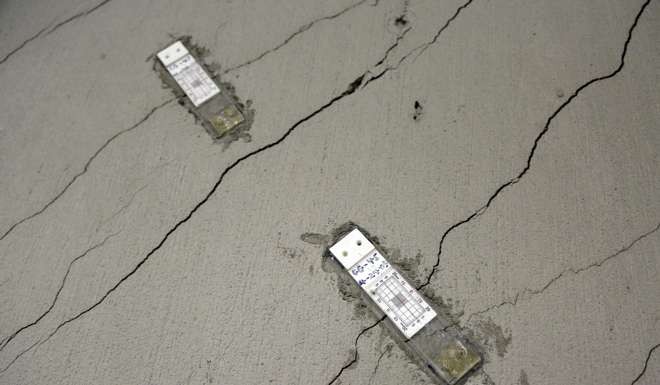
(383, 283)
(190, 76)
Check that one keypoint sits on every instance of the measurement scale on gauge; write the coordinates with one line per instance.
(383, 283)
(190, 76)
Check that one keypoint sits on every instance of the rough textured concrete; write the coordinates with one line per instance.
(512, 146)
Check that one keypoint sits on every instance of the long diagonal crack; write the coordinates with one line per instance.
(646, 364)
(352, 88)
(527, 292)
(84, 169)
(536, 142)
(299, 31)
(419, 50)
(8, 339)
(53, 29)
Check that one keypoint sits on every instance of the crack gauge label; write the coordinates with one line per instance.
(190, 76)
(402, 304)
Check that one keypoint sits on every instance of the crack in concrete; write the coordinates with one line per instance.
(355, 351)
(9, 338)
(84, 170)
(527, 292)
(300, 30)
(77, 15)
(387, 349)
(352, 88)
(23, 44)
(400, 36)
(123, 207)
(393, 46)
(53, 29)
(535, 145)
(423, 47)
(646, 364)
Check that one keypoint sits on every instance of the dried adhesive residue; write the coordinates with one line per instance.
(409, 266)
(444, 307)
(217, 105)
(494, 336)
(315, 239)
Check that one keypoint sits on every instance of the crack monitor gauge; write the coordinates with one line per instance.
(216, 110)
(445, 356)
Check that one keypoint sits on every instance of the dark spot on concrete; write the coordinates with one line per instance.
(559, 92)
(311, 269)
(418, 110)
(401, 21)
(290, 253)
(211, 107)
(523, 378)
(103, 56)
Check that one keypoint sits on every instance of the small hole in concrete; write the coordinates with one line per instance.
(401, 21)
(359, 243)
(418, 110)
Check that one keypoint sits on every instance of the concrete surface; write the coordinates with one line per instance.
(524, 189)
